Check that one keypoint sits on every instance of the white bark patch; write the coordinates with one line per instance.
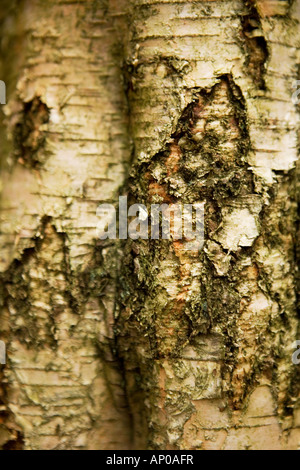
(239, 228)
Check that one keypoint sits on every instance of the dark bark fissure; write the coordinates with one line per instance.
(29, 139)
(255, 46)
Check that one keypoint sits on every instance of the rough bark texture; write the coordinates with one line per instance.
(145, 344)
(66, 119)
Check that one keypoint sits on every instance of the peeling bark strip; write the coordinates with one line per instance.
(142, 343)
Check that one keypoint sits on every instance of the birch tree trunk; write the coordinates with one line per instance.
(66, 120)
(145, 344)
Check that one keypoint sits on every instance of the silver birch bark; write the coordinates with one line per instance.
(144, 344)
(67, 152)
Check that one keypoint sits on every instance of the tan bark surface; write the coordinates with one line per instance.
(144, 344)
(68, 147)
